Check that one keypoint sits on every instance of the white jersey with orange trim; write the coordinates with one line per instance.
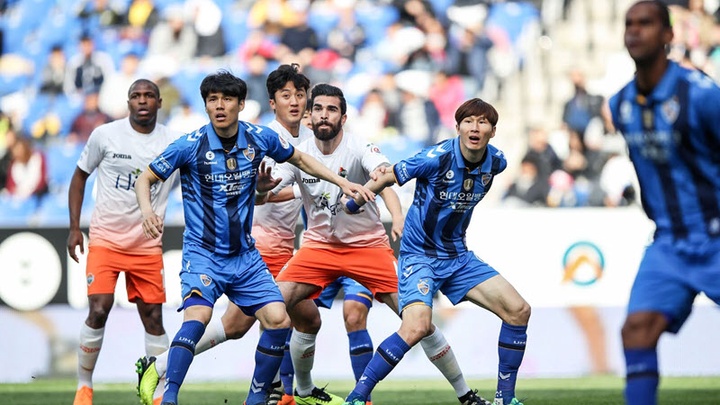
(274, 223)
(120, 154)
(328, 225)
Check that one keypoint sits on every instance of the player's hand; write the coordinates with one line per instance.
(152, 226)
(379, 171)
(397, 229)
(75, 240)
(343, 203)
(354, 190)
(265, 180)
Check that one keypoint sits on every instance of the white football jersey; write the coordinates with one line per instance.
(274, 223)
(120, 154)
(328, 224)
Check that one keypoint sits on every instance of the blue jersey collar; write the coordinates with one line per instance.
(664, 89)
(214, 139)
(485, 166)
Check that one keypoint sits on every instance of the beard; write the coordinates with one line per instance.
(325, 134)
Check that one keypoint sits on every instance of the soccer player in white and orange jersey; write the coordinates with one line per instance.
(337, 244)
(120, 151)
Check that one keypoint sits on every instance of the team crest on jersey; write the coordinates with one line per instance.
(342, 172)
(671, 110)
(423, 287)
(626, 112)
(210, 155)
(250, 153)
(231, 163)
(90, 279)
(485, 179)
(468, 184)
(205, 279)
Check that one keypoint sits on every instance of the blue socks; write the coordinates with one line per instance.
(182, 351)
(388, 355)
(287, 373)
(361, 351)
(268, 356)
(511, 349)
(642, 376)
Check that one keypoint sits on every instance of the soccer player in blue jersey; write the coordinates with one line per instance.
(670, 119)
(220, 169)
(451, 178)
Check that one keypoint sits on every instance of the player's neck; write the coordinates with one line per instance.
(228, 132)
(649, 74)
(143, 129)
(293, 129)
(328, 147)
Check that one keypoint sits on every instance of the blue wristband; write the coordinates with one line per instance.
(352, 206)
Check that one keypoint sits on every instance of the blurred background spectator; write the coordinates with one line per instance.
(405, 65)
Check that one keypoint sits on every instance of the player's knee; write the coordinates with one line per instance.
(642, 330)
(518, 314)
(97, 316)
(281, 321)
(355, 321)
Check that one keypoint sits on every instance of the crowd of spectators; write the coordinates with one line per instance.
(404, 65)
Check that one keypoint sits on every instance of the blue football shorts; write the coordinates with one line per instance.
(244, 278)
(354, 291)
(420, 277)
(669, 279)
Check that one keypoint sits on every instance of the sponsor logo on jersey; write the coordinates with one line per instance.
(342, 172)
(310, 181)
(450, 174)
(121, 156)
(210, 155)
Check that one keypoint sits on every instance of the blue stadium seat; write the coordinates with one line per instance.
(375, 19)
(399, 147)
(17, 212)
(53, 210)
(61, 159)
(235, 30)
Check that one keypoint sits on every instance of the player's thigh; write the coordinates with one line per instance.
(355, 291)
(498, 296)
(417, 282)
(102, 270)
(144, 279)
(235, 322)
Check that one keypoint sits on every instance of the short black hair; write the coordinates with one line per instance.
(324, 89)
(479, 108)
(286, 73)
(663, 10)
(223, 81)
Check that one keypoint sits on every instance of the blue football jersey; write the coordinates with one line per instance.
(446, 193)
(673, 137)
(219, 187)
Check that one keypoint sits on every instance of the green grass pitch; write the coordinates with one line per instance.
(575, 391)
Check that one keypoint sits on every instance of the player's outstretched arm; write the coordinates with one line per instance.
(152, 223)
(310, 165)
(76, 193)
(392, 202)
(380, 178)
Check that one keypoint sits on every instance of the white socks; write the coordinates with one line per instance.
(154, 345)
(302, 352)
(439, 352)
(88, 351)
(213, 336)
